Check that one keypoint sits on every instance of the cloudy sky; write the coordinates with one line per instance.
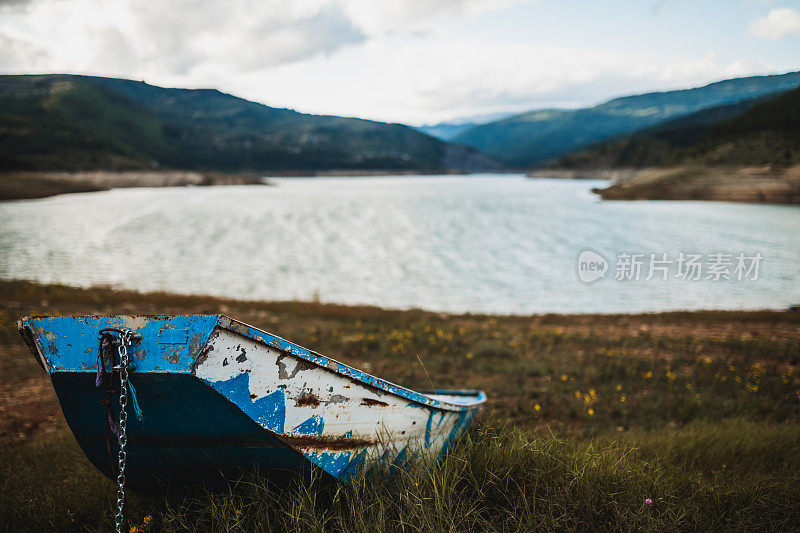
(412, 61)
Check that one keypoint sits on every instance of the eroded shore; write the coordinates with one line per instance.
(725, 184)
(28, 185)
(728, 184)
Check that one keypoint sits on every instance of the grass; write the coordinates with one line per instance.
(588, 416)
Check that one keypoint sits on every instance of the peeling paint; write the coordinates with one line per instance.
(195, 344)
(299, 367)
(337, 398)
(174, 357)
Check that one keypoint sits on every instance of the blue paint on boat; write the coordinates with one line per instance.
(269, 411)
(334, 463)
(312, 426)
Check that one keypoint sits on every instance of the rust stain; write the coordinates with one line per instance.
(308, 398)
(370, 402)
(325, 443)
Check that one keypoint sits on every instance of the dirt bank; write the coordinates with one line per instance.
(730, 184)
(27, 185)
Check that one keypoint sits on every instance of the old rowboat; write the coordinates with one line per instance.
(218, 395)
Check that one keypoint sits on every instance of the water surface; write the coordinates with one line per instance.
(487, 243)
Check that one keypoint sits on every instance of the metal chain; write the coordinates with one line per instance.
(122, 349)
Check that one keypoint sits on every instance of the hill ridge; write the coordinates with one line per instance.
(77, 122)
(537, 137)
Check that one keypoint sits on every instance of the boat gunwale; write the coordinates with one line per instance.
(274, 341)
(332, 365)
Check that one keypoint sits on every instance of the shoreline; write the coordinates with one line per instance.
(583, 174)
(29, 185)
(27, 287)
(722, 184)
(728, 184)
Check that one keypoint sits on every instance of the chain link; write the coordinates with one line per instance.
(122, 350)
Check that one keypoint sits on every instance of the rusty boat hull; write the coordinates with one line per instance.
(219, 396)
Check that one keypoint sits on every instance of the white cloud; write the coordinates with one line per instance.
(397, 60)
(235, 36)
(153, 38)
(778, 23)
(377, 17)
(431, 80)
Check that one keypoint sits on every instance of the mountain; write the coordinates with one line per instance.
(761, 132)
(451, 128)
(538, 137)
(444, 130)
(67, 122)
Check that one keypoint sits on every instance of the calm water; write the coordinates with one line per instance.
(499, 244)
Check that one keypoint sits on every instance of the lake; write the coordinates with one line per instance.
(480, 244)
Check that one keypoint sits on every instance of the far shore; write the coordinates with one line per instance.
(584, 173)
(727, 184)
(25, 185)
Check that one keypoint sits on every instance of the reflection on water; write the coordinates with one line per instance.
(500, 244)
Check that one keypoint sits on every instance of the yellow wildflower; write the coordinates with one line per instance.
(590, 412)
(564, 377)
(147, 519)
(648, 375)
(469, 355)
(623, 399)
(619, 388)
(537, 407)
